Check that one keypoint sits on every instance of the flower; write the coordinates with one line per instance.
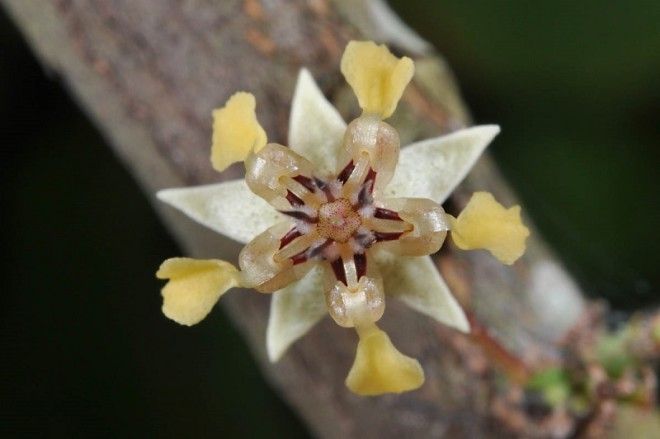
(330, 223)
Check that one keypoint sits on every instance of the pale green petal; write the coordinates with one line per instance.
(416, 281)
(294, 310)
(228, 208)
(315, 127)
(433, 168)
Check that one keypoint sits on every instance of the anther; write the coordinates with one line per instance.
(307, 182)
(290, 236)
(293, 199)
(325, 187)
(338, 268)
(386, 214)
(371, 177)
(385, 236)
(346, 172)
(302, 216)
(360, 260)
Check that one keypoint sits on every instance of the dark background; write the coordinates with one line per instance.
(84, 347)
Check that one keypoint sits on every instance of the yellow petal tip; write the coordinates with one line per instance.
(194, 287)
(377, 77)
(236, 131)
(380, 368)
(486, 224)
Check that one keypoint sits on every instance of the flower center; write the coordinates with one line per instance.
(338, 220)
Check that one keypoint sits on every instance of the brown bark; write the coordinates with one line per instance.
(150, 72)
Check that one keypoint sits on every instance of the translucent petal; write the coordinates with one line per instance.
(380, 368)
(315, 127)
(194, 287)
(429, 223)
(350, 307)
(294, 310)
(433, 168)
(371, 137)
(417, 282)
(267, 171)
(377, 77)
(486, 224)
(261, 271)
(228, 208)
(236, 131)
(360, 302)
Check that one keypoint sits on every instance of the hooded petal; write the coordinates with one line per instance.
(267, 267)
(433, 168)
(194, 287)
(315, 127)
(358, 299)
(369, 145)
(271, 173)
(294, 310)
(417, 282)
(228, 208)
(429, 226)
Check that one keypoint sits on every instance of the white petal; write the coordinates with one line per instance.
(433, 168)
(417, 282)
(315, 127)
(229, 208)
(294, 310)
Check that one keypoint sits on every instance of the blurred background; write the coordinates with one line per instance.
(85, 349)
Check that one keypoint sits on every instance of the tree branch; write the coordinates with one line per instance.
(149, 73)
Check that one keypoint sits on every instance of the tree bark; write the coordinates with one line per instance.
(150, 72)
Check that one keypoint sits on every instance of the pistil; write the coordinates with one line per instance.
(338, 220)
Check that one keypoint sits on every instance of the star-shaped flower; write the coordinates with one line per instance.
(339, 220)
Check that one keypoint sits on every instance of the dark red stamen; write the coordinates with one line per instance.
(306, 181)
(302, 216)
(364, 197)
(290, 236)
(386, 214)
(325, 188)
(346, 172)
(315, 251)
(299, 258)
(293, 199)
(360, 260)
(383, 236)
(371, 176)
(310, 252)
(338, 268)
(365, 239)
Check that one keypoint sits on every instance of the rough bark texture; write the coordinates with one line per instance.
(150, 72)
